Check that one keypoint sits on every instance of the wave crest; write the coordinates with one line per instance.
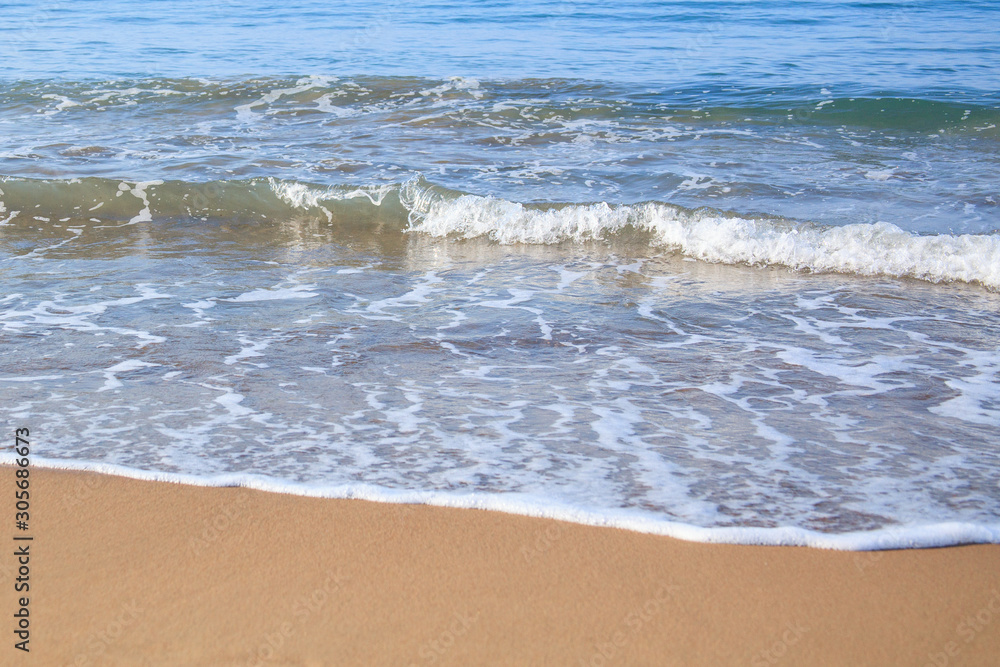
(417, 206)
(864, 249)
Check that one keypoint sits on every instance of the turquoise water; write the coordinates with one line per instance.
(720, 270)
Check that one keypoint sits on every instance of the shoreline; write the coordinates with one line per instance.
(934, 535)
(127, 572)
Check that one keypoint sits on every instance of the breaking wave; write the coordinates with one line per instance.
(417, 206)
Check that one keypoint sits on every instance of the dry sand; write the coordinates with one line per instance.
(126, 572)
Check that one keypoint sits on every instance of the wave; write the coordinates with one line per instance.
(420, 207)
(869, 249)
(975, 113)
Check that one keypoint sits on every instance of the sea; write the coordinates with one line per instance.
(721, 270)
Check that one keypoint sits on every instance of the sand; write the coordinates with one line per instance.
(126, 572)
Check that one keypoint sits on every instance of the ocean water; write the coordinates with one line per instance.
(726, 271)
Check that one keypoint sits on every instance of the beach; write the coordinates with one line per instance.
(540, 333)
(128, 572)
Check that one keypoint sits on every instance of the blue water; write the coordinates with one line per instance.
(721, 270)
(928, 46)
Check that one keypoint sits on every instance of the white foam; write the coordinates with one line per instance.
(879, 174)
(244, 112)
(304, 196)
(978, 400)
(64, 103)
(108, 95)
(324, 104)
(249, 350)
(418, 295)
(455, 83)
(79, 317)
(858, 375)
(37, 253)
(231, 402)
(865, 249)
(31, 378)
(301, 291)
(915, 535)
(138, 190)
(111, 380)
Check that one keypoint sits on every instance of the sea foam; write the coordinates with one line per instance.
(876, 249)
(912, 536)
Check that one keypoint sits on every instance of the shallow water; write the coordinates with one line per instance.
(685, 267)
